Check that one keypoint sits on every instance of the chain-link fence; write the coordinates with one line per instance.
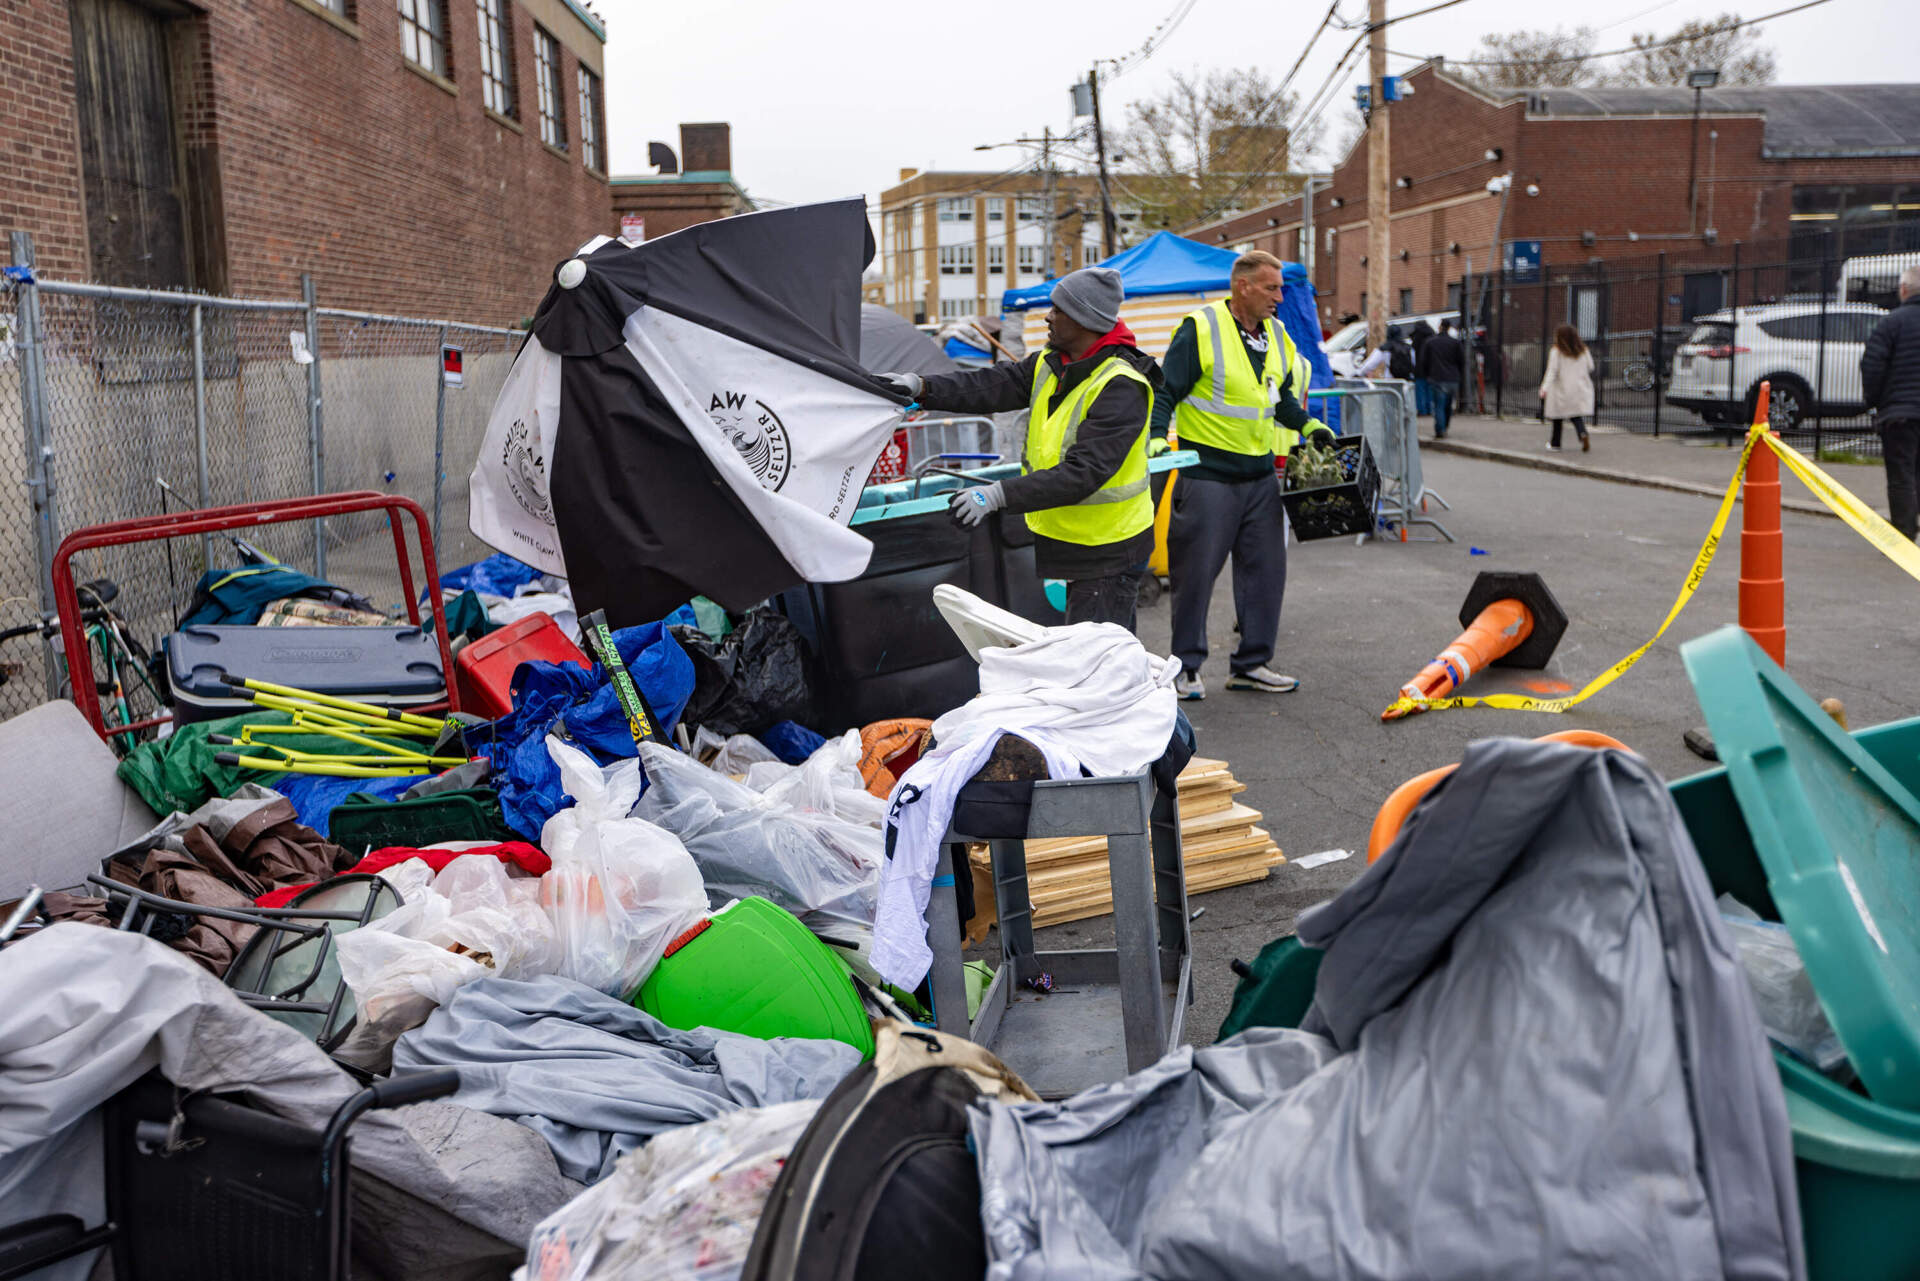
(116, 404)
(1681, 341)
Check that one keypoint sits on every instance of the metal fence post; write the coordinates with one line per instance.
(1820, 352)
(439, 426)
(1659, 337)
(1546, 338)
(1733, 335)
(200, 425)
(1500, 345)
(38, 439)
(316, 435)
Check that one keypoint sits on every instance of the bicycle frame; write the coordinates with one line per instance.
(213, 520)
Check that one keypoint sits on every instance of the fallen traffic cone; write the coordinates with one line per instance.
(1511, 619)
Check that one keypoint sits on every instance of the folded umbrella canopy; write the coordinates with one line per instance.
(689, 417)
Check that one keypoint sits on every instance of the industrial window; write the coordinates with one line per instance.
(593, 125)
(1029, 260)
(423, 35)
(496, 58)
(996, 208)
(957, 308)
(996, 260)
(1453, 295)
(340, 7)
(956, 260)
(956, 209)
(1032, 208)
(1406, 302)
(546, 74)
(1089, 253)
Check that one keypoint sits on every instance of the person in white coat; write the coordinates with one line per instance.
(1567, 387)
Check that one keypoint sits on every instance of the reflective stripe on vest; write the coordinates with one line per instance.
(1237, 413)
(1118, 509)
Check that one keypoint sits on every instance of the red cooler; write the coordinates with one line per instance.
(483, 671)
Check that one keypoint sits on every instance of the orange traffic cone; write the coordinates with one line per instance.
(1511, 619)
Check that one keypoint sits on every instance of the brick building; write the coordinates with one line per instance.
(430, 157)
(694, 187)
(1598, 174)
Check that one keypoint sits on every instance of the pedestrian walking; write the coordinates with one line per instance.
(1084, 487)
(1234, 382)
(1890, 375)
(1444, 365)
(1566, 389)
(1422, 389)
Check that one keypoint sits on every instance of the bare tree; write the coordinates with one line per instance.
(1710, 42)
(1523, 59)
(1211, 142)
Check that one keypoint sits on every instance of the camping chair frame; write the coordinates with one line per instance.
(213, 520)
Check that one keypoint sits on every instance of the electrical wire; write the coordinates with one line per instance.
(1631, 49)
(1151, 45)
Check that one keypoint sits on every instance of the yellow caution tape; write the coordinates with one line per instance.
(1865, 521)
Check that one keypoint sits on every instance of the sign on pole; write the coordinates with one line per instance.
(452, 366)
(633, 228)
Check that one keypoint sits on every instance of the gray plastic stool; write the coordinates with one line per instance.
(1063, 1042)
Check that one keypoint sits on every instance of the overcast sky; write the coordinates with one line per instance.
(833, 99)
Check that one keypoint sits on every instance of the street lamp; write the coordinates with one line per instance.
(1699, 80)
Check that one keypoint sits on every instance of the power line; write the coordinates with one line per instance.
(1151, 45)
(1643, 48)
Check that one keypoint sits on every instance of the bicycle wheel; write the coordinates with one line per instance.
(1638, 376)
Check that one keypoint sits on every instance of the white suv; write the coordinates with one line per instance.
(1718, 370)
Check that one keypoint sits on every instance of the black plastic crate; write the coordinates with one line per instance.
(1328, 511)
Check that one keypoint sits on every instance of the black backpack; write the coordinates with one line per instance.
(1399, 358)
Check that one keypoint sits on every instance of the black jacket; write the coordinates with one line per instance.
(1182, 372)
(1418, 336)
(1890, 365)
(1442, 360)
(1114, 421)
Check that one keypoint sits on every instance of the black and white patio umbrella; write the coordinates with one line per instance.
(689, 417)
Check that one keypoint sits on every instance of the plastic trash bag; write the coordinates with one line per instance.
(620, 889)
(730, 755)
(754, 677)
(821, 867)
(684, 1207)
(1789, 1010)
(828, 782)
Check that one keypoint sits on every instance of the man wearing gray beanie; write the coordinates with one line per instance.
(1083, 484)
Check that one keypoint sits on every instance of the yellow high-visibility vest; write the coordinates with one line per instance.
(1231, 407)
(1120, 508)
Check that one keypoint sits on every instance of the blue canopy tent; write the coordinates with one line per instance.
(1166, 276)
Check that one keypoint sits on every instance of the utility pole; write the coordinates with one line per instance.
(1306, 229)
(1100, 154)
(1046, 165)
(1379, 168)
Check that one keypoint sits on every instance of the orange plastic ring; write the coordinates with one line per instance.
(1402, 800)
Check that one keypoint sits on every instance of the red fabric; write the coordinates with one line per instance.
(528, 858)
(1118, 336)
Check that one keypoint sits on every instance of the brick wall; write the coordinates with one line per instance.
(318, 148)
(1622, 179)
(39, 150)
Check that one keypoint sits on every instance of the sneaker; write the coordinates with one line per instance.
(1263, 680)
(1189, 686)
(1552, 449)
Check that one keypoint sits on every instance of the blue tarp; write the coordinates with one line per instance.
(1163, 263)
(957, 350)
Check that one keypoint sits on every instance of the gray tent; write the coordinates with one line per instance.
(890, 344)
(1532, 1053)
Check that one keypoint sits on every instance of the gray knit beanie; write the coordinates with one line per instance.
(1091, 297)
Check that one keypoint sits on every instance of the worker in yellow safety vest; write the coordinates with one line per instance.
(1083, 475)
(1234, 384)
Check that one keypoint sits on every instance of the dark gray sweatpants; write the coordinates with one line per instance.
(1211, 519)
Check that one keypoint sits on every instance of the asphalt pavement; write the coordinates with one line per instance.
(1361, 620)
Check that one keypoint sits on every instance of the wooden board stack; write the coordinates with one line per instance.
(1221, 844)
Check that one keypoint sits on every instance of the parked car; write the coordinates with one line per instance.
(1717, 372)
(1347, 348)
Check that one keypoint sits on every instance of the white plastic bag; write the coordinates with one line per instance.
(731, 756)
(823, 869)
(620, 889)
(1784, 994)
(826, 783)
(684, 1207)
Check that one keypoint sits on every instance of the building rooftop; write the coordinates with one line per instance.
(1802, 121)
